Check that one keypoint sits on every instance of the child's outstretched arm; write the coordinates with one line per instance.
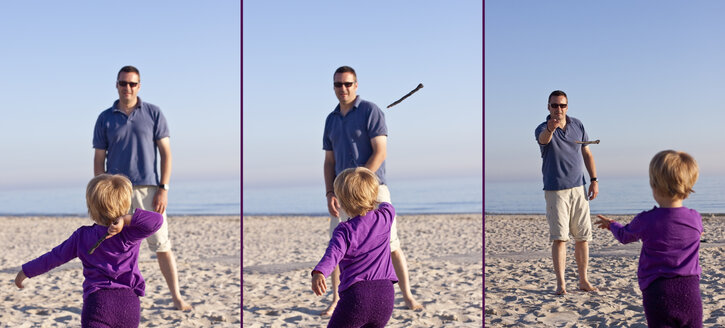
(319, 286)
(19, 279)
(604, 222)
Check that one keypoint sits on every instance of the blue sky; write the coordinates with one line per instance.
(59, 64)
(643, 76)
(292, 48)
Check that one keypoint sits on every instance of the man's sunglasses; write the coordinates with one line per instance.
(558, 105)
(346, 84)
(124, 84)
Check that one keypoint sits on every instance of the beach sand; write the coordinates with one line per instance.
(520, 282)
(207, 250)
(444, 254)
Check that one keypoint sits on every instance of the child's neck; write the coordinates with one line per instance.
(668, 202)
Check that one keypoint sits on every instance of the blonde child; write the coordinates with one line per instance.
(361, 247)
(113, 283)
(669, 266)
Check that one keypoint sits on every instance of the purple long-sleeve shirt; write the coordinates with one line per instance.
(361, 246)
(114, 264)
(670, 242)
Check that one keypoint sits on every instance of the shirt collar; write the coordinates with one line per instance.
(138, 104)
(355, 104)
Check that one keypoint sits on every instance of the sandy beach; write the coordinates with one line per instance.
(520, 282)
(444, 254)
(207, 249)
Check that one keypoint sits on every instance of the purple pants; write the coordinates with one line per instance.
(673, 302)
(364, 304)
(108, 308)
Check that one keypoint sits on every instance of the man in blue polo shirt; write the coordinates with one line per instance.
(356, 135)
(125, 140)
(567, 203)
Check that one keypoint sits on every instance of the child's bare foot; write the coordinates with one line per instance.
(587, 287)
(179, 304)
(330, 309)
(413, 304)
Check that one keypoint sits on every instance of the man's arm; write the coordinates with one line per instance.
(546, 134)
(99, 162)
(379, 144)
(329, 172)
(161, 198)
(592, 170)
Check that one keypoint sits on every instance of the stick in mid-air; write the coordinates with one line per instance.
(587, 142)
(420, 86)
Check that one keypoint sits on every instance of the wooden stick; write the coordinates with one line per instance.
(587, 142)
(420, 86)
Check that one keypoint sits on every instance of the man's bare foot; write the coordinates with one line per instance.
(181, 305)
(413, 305)
(330, 309)
(587, 287)
(560, 291)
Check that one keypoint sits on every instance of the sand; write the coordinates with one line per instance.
(520, 282)
(207, 249)
(444, 254)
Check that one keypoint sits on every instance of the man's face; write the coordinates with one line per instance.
(345, 87)
(555, 108)
(128, 85)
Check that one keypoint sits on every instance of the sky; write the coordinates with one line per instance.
(291, 50)
(642, 76)
(59, 65)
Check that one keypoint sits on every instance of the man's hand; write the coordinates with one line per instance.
(604, 222)
(319, 286)
(19, 279)
(333, 205)
(160, 200)
(593, 190)
(554, 123)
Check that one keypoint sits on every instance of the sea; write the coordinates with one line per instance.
(409, 196)
(190, 197)
(629, 195)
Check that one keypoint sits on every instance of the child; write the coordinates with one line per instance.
(669, 266)
(361, 247)
(112, 282)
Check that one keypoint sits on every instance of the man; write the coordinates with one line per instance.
(356, 135)
(125, 140)
(567, 206)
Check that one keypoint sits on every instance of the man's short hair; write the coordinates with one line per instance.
(128, 69)
(557, 93)
(345, 69)
(673, 173)
(108, 197)
(357, 190)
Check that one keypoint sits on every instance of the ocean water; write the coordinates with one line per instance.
(423, 196)
(208, 197)
(616, 196)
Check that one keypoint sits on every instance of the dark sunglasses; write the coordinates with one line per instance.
(124, 84)
(558, 105)
(340, 84)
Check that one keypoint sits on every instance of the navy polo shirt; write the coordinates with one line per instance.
(130, 141)
(348, 137)
(563, 164)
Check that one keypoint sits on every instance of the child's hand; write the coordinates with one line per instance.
(19, 279)
(604, 222)
(319, 286)
(115, 227)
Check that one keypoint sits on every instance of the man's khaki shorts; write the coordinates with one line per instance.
(143, 198)
(383, 196)
(567, 212)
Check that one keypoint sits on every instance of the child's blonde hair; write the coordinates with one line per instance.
(673, 173)
(108, 197)
(357, 190)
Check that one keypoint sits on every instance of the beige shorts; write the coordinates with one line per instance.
(383, 196)
(143, 198)
(567, 212)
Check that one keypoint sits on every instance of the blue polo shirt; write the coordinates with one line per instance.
(348, 137)
(563, 164)
(130, 141)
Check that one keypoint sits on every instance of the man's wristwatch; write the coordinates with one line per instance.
(164, 187)
(593, 179)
